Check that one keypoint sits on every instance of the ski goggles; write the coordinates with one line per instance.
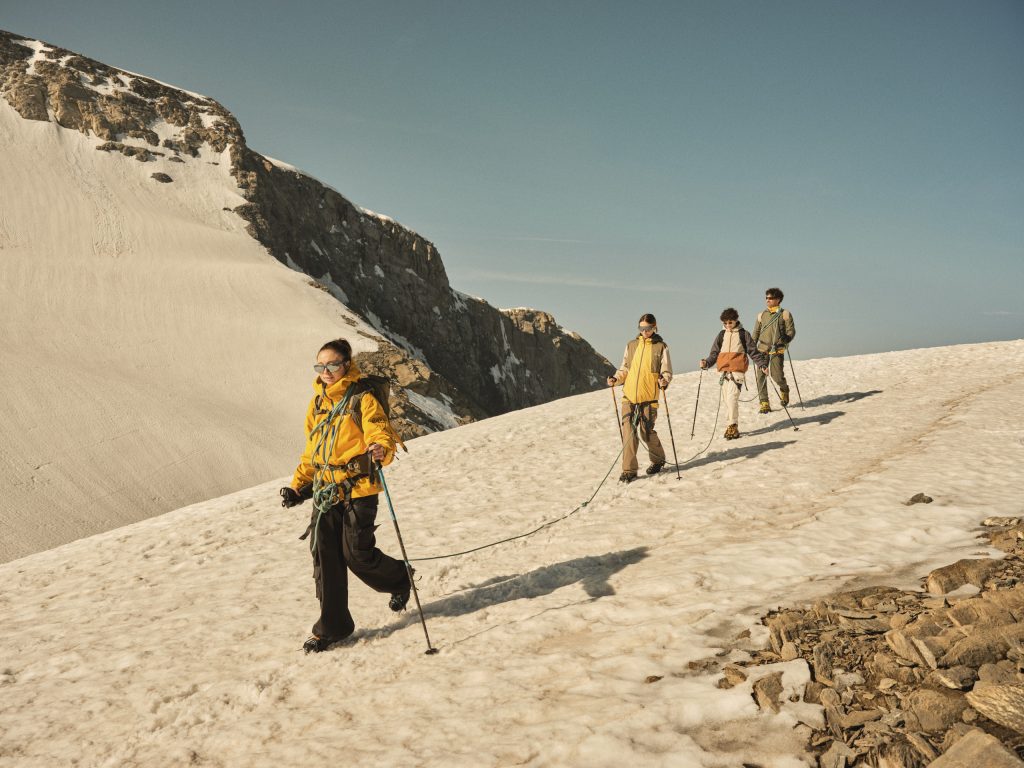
(332, 367)
(643, 328)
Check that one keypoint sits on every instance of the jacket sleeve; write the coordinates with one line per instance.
(716, 347)
(757, 328)
(666, 365)
(375, 426)
(788, 327)
(620, 375)
(755, 354)
(304, 472)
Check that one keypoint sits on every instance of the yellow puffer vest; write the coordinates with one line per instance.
(641, 384)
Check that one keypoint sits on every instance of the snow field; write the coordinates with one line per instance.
(178, 638)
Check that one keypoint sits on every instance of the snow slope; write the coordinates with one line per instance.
(154, 354)
(177, 640)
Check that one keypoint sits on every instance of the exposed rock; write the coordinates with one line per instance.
(162, 178)
(933, 710)
(918, 498)
(768, 690)
(1003, 704)
(967, 571)
(984, 646)
(484, 361)
(958, 678)
(977, 749)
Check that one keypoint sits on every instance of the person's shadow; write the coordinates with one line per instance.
(820, 418)
(746, 452)
(845, 397)
(592, 572)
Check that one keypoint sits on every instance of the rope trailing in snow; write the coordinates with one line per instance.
(578, 508)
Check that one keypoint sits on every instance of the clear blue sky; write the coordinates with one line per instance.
(603, 159)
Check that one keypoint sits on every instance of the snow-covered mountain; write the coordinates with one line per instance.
(596, 641)
(156, 346)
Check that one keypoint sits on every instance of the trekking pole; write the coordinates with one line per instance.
(792, 370)
(408, 567)
(668, 418)
(694, 427)
(779, 395)
(618, 419)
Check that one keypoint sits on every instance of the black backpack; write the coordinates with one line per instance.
(380, 388)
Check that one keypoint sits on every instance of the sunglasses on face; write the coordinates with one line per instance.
(332, 367)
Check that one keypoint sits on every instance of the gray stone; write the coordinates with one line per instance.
(162, 178)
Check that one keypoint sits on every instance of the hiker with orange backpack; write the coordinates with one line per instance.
(730, 350)
(347, 431)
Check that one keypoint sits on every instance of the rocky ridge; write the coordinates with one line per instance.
(901, 678)
(442, 346)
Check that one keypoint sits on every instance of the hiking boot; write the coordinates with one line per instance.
(316, 644)
(655, 468)
(784, 397)
(627, 477)
(400, 598)
(732, 432)
(765, 407)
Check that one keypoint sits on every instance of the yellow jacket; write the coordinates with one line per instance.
(331, 446)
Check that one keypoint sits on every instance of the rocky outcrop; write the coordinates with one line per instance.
(479, 360)
(907, 679)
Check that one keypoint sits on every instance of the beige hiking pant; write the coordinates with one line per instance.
(731, 387)
(645, 428)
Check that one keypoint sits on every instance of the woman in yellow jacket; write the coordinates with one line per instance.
(646, 369)
(345, 427)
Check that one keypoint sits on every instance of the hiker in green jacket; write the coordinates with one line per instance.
(773, 332)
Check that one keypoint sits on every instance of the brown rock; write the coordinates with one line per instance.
(734, 674)
(918, 498)
(902, 646)
(838, 755)
(812, 692)
(768, 690)
(967, 571)
(977, 749)
(1003, 704)
(789, 651)
(933, 710)
(1001, 673)
(983, 646)
(958, 678)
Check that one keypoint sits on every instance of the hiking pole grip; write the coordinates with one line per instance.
(668, 418)
(693, 428)
(379, 471)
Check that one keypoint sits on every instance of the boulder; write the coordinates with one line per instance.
(1003, 704)
(977, 749)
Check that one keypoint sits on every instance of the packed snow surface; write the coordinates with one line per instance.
(176, 640)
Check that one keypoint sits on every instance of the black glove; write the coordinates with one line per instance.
(290, 497)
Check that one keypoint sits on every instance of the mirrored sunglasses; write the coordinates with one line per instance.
(332, 367)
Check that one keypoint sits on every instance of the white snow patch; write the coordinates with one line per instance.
(438, 411)
(378, 271)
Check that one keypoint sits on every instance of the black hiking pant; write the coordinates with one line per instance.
(345, 540)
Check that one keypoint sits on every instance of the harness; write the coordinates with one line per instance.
(325, 490)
